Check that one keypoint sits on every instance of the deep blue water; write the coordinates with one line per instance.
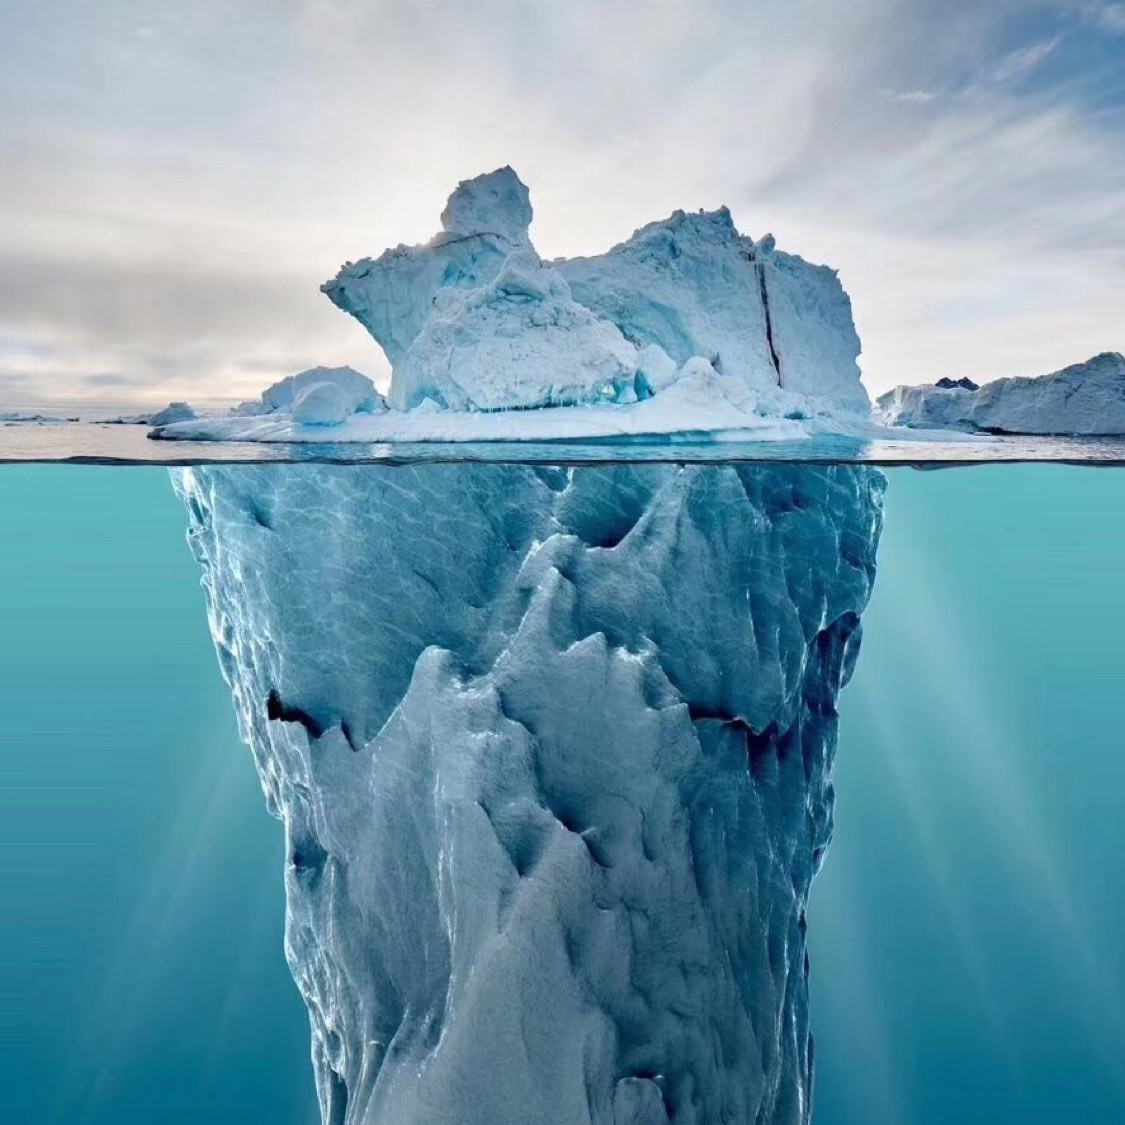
(967, 964)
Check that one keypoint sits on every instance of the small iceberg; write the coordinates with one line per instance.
(1085, 399)
(26, 418)
(168, 415)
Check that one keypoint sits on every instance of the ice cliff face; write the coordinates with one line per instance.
(552, 751)
(693, 286)
(1085, 398)
(475, 320)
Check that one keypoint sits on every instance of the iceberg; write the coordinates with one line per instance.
(688, 327)
(351, 392)
(552, 751)
(477, 320)
(1083, 399)
(166, 416)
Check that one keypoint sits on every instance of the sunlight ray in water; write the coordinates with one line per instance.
(887, 721)
(151, 942)
(257, 925)
(986, 752)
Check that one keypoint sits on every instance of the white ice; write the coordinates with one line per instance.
(688, 327)
(1083, 399)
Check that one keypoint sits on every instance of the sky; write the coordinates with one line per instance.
(176, 181)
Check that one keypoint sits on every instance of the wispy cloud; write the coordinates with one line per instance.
(1025, 60)
(1109, 17)
(910, 97)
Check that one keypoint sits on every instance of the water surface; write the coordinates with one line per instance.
(99, 443)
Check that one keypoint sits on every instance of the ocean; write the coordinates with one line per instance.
(965, 964)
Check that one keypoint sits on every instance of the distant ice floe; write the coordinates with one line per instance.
(20, 417)
(688, 327)
(1083, 399)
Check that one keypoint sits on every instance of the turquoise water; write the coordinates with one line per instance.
(966, 963)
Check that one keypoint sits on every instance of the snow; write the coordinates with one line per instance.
(700, 403)
(552, 752)
(1083, 399)
(474, 323)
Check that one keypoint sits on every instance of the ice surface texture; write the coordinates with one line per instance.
(552, 751)
(318, 396)
(687, 328)
(1085, 398)
(476, 320)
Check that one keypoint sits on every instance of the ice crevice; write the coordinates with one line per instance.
(763, 286)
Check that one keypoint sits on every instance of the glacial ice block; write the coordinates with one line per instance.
(552, 752)
(520, 341)
(475, 320)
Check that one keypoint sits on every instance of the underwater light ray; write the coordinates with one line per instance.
(887, 722)
(146, 950)
(257, 929)
(987, 753)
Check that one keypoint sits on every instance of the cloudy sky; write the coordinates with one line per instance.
(177, 180)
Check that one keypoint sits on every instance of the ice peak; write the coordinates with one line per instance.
(496, 203)
(712, 227)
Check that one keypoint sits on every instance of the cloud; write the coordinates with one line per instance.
(1025, 60)
(910, 97)
(1108, 17)
(170, 205)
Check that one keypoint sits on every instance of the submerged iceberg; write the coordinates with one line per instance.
(1083, 399)
(687, 327)
(552, 751)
